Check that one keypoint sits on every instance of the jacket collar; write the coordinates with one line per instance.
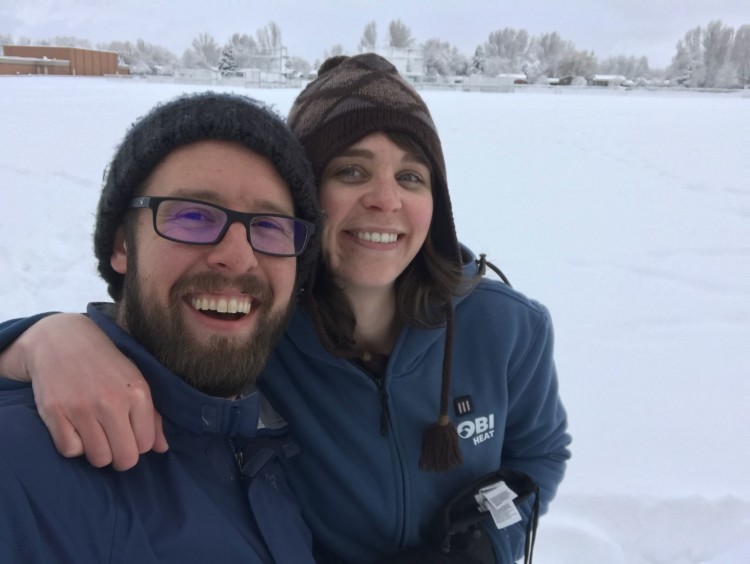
(176, 400)
(411, 346)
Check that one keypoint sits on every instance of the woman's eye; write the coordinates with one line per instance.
(411, 178)
(348, 172)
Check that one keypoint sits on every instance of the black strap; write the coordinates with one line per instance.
(482, 263)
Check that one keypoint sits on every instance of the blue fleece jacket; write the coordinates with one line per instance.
(357, 476)
(218, 494)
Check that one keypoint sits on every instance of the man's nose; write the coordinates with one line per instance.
(233, 253)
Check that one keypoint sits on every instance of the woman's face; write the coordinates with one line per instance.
(378, 203)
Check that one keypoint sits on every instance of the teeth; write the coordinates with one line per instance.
(378, 237)
(222, 305)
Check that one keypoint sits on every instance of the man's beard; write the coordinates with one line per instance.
(216, 365)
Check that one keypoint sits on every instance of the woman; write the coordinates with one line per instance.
(399, 341)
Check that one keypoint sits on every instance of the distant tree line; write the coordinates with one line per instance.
(714, 56)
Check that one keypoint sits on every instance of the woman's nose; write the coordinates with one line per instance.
(384, 195)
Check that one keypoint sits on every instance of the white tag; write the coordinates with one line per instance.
(498, 500)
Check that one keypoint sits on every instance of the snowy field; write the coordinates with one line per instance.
(627, 213)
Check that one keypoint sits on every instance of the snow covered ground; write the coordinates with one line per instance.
(627, 213)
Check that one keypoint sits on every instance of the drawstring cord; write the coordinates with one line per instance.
(440, 448)
(440, 445)
(483, 263)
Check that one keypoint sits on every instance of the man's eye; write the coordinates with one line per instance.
(267, 223)
(192, 215)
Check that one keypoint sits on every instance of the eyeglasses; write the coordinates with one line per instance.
(194, 222)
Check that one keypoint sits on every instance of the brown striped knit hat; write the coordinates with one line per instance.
(353, 97)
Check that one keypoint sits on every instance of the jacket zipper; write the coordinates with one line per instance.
(234, 424)
(383, 397)
(238, 458)
(385, 426)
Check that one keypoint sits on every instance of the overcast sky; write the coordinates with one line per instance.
(648, 28)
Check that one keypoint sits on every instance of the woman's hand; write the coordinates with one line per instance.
(92, 398)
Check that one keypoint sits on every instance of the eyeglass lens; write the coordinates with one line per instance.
(192, 222)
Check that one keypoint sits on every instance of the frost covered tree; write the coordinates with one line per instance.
(479, 60)
(244, 48)
(399, 35)
(141, 67)
(203, 54)
(549, 50)
(270, 51)
(688, 66)
(300, 65)
(741, 55)
(334, 51)
(507, 50)
(717, 48)
(227, 62)
(289, 71)
(578, 63)
(442, 59)
(159, 58)
(142, 54)
(712, 57)
(269, 37)
(629, 67)
(369, 39)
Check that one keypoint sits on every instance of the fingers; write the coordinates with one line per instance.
(91, 397)
(96, 444)
(120, 427)
(108, 431)
(66, 439)
(160, 440)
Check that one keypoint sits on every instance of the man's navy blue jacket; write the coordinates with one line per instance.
(218, 495)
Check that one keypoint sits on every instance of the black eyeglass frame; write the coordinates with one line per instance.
(152, 203)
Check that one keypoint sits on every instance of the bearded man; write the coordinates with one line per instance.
(205, 231)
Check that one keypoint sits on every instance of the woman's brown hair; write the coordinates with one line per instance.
(423, 290)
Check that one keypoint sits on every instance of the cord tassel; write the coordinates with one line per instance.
(440, 448)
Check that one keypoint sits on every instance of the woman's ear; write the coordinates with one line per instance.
(119, 257)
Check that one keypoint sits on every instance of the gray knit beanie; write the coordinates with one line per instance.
(189, 119)
(353, 97)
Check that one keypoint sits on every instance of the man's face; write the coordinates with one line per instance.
(172, 290)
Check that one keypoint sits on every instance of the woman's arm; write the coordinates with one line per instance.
(93, 400)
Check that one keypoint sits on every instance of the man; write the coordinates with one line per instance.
(205, 230)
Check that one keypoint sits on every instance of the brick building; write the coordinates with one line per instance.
(38, 59)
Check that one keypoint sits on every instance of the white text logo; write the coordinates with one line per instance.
(481, 429)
